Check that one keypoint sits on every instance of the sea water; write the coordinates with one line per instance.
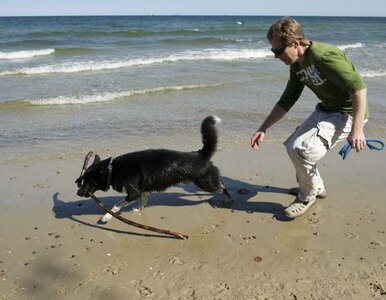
(71, 83)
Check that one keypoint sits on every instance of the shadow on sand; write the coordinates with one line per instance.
(240, 191)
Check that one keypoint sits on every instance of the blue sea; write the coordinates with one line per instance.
(69, 84)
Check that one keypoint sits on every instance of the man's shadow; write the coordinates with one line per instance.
(241, 192)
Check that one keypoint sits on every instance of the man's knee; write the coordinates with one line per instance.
(298, 152)
(293, 149)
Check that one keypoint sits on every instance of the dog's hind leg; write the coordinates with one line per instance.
(144, 200)
(117, 208)
(143, 203)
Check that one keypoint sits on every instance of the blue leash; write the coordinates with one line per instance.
(369, 142)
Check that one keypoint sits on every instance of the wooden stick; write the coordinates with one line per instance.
(85, 163)
(175, 234)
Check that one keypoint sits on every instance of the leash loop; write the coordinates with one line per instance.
(369, 142)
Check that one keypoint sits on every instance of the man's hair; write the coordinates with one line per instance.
(288, 30)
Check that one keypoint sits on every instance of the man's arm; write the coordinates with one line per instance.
(275, 115)
(357, 137)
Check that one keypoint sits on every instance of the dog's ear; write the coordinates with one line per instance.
(96, 159)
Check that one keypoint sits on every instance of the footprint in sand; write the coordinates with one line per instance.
(114, 270)
(351, 235)
(159, 275)
(377, 289)
(144, 291)
(222, 288)
(313, 219)
(189, 293)
(177, 261)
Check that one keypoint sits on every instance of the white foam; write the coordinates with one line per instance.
(25, 54)
(105, 97)
(370, 74)
(88, 66)
(350, 46)
(225, 54)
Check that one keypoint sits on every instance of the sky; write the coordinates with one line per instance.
(194, 7)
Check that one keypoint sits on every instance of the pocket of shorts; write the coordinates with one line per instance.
(331, 127)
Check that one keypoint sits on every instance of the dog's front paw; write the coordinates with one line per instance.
(105, 219)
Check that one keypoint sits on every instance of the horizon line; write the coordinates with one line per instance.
(188, 15)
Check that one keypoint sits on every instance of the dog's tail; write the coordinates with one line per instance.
(209, 136)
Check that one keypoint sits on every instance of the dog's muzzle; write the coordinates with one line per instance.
(82, 190)
(79, 182)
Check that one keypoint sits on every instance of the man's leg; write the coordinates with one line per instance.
(320, 132)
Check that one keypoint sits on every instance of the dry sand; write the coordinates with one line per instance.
(52, 247)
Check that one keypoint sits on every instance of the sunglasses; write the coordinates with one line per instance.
(278, 51)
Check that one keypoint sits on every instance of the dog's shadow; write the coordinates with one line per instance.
(71, 210)
(241, 192)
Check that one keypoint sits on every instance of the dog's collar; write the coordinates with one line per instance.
(109, 173)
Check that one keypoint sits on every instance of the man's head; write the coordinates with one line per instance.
(284, 34)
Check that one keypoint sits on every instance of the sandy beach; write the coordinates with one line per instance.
(115, 84)
(53, 248)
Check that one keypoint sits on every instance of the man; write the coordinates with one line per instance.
(340, 114)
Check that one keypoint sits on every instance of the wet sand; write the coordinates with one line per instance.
(53, 248)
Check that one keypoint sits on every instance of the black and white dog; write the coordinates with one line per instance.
(154, 170)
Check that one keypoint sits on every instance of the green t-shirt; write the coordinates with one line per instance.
(328, 72)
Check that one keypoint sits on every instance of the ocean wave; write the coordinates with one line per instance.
(208, 54)
(371, 74)
(138, 32)
(350, 46)
(74, 51)
(111, 96)
(205, 41)
(28, 43)
(135, 33)
(26, 53)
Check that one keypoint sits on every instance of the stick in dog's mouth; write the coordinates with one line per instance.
(84, 168)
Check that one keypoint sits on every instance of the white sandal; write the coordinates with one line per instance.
(298, 208)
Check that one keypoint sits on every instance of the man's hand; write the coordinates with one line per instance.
(357, 140)
(275, 115)
(257, 139)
